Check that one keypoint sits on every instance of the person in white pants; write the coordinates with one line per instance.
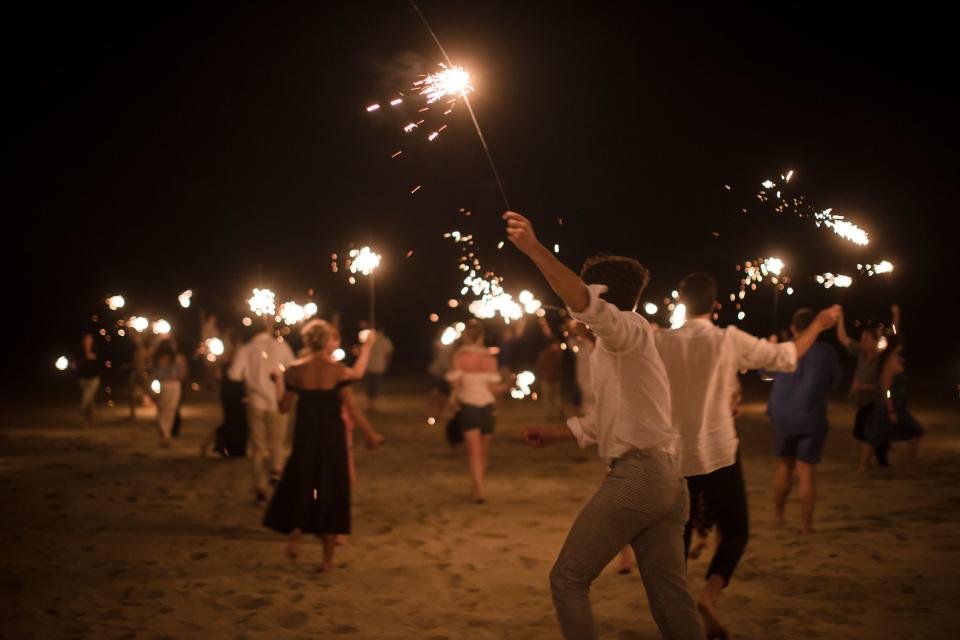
(253, 364)
(167, 374)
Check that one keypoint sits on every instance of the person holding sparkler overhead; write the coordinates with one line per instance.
(702, 361)
(643, 499)
(313, 495)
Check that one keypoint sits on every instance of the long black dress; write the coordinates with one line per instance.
(314, 492)
(231, 438)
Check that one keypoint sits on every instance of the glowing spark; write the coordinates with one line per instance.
(339, 355)
(767, 184)
(363, 336)
(373, 107)
(524, 381)
(650, 308)
(138, 323)
(364, 260)
(556, 248)
(882, 346)
(395, 102)
(741, 315)
(431, 421)
(434, 317)
(310, 309)
(678, 317)
(161, 327)
(185, 298)
(788, 176)
(433, 136)
(62, 363)
(247, 322)
(410, 127)
(396, 154)
(451, 81)
(155, 386)
(215, 346)
(843, 228)
(415, 189)
(774, 265)
(262, 302)
(831, 280)
(291, 313)
(500, 245)
(450, 335)
(116, 302)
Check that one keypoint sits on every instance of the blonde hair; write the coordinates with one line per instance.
(316, 334)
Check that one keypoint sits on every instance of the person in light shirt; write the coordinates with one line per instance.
(702, 361)
(253, 364)
(643, 499)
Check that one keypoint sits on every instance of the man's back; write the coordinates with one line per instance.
(702, 361)
(253, 364)
(801, 396)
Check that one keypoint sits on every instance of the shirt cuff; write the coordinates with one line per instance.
(576, 428)
(594, 307)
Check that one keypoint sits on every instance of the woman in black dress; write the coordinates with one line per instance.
(890, 419)
(314, 493)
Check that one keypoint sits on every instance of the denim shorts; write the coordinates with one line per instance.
(473, 417)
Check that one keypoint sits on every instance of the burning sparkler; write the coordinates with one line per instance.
(185, 298)
(292, 313)
(215, 346)
(522, 385)
(876, 269)
(449, 81)
(262, 302)
(116, 302)
(679, 316)
(138, 323)
(842, 227)
(161, 327)
(834, 280)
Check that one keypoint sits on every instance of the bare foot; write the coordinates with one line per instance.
(711, 622)
(374, 442)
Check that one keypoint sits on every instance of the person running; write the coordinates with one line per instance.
(253, 364)
(313, 495)
(475, 380)
(702, 361)
(890, 420)
(798, 409)
(643, 499)
(89, 370)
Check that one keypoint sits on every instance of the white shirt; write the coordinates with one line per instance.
(380, 354)
(584, 351)
(629, 382)
(474, 387)
(254, 362)
(702, 361)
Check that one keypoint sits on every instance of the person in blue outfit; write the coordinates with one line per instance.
(798, 409)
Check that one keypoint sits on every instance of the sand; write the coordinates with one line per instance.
(104, 535)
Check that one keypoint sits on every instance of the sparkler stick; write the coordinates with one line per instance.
(466, 99)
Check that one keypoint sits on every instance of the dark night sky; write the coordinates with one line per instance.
(163, 147)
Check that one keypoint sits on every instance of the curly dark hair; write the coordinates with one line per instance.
(698, 291)
(624, 277)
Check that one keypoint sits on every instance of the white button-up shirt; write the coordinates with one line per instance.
(702, 361)
(629, 382)
(254, 362)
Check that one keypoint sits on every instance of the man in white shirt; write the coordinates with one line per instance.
(702, 361)
(253, 364)
(643, 500)
(380, 356)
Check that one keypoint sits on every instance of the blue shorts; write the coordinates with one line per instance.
(473, 417)
(805, 447)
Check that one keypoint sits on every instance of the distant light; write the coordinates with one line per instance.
(556, 248)
(215, 346)
(674, 294)
(363, 336)
(650, 308)
(184, 298)
(310, 309)
(116, 302)
(434, 317)
(452, 303)
(155, 386)
(139, 323)
(741, 315)
(62, 363)
(247, 322)
(339, 355)
(431, 421)
(161, 327)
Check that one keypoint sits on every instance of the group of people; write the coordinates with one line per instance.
(663, 421)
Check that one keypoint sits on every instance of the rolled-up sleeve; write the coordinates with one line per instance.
(616, 330)
(584, 429)
(755, 353)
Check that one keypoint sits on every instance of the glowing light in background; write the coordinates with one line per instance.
(310, 309)
(449, 336)
(291, 313)
(523, 384)
(678, 316)
(215, 346)
(650, 308)
(363, 261)
(138, 323)
(339, 355)
(842, 227)
(62, 363)
(185, 298)
(155, 386)
(161, 327)
(262, 302)
(116, 302)
(834, 280)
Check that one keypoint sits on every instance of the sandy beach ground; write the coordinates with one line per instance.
(104, 535)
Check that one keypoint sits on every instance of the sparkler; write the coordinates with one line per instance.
(365, 261)
(450, 81)
(449, 336)
(115, 302)
(291, 313)
(650, 308)
(875, 269)
(185, 298)
(161, 327)
(310, 309)
(138, 323)
(215, 346)
(62, 363)
(842, 227)
(262, 302)
(521, 388)
(834, 280)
